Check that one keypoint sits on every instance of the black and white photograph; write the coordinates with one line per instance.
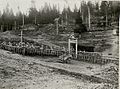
(59, 44)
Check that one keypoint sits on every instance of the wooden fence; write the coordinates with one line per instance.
(31, 51)
(91, 57)
(94, 57)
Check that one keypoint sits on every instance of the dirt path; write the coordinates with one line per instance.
(113, 40)
(21, 72)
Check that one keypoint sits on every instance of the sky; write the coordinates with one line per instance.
(24, 5)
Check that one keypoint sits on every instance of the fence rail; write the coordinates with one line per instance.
(95, 57)
(31, 51)
(91, 57)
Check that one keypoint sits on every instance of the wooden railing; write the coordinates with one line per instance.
(31, 51)
(91, 57)
(95, 57)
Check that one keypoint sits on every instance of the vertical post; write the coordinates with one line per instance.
(82, 17)
(57, 26)
(23, 20)
(35, 20)
(76, 48)
(89, 17)
(21, 29)
(81, 13)
(66, 19)
(7, 27)
(15, 25)
(62, 23)
(21, 36)
(86, 20)
(106, 17)
(106, 14)
(69, 45)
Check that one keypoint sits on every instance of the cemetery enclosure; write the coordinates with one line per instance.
(91, 57)
(26, 69)
(88, 56)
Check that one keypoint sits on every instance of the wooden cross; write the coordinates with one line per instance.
(56, 21)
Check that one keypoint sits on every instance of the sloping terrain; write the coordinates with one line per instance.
(21, 72)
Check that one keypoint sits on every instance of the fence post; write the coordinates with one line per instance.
(23, 51)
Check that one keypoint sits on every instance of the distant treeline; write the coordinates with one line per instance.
(46, 15)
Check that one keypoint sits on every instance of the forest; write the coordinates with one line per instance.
(106, 12)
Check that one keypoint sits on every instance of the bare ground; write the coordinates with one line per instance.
(21, 72)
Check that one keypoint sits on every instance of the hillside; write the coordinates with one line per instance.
(101, 40)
